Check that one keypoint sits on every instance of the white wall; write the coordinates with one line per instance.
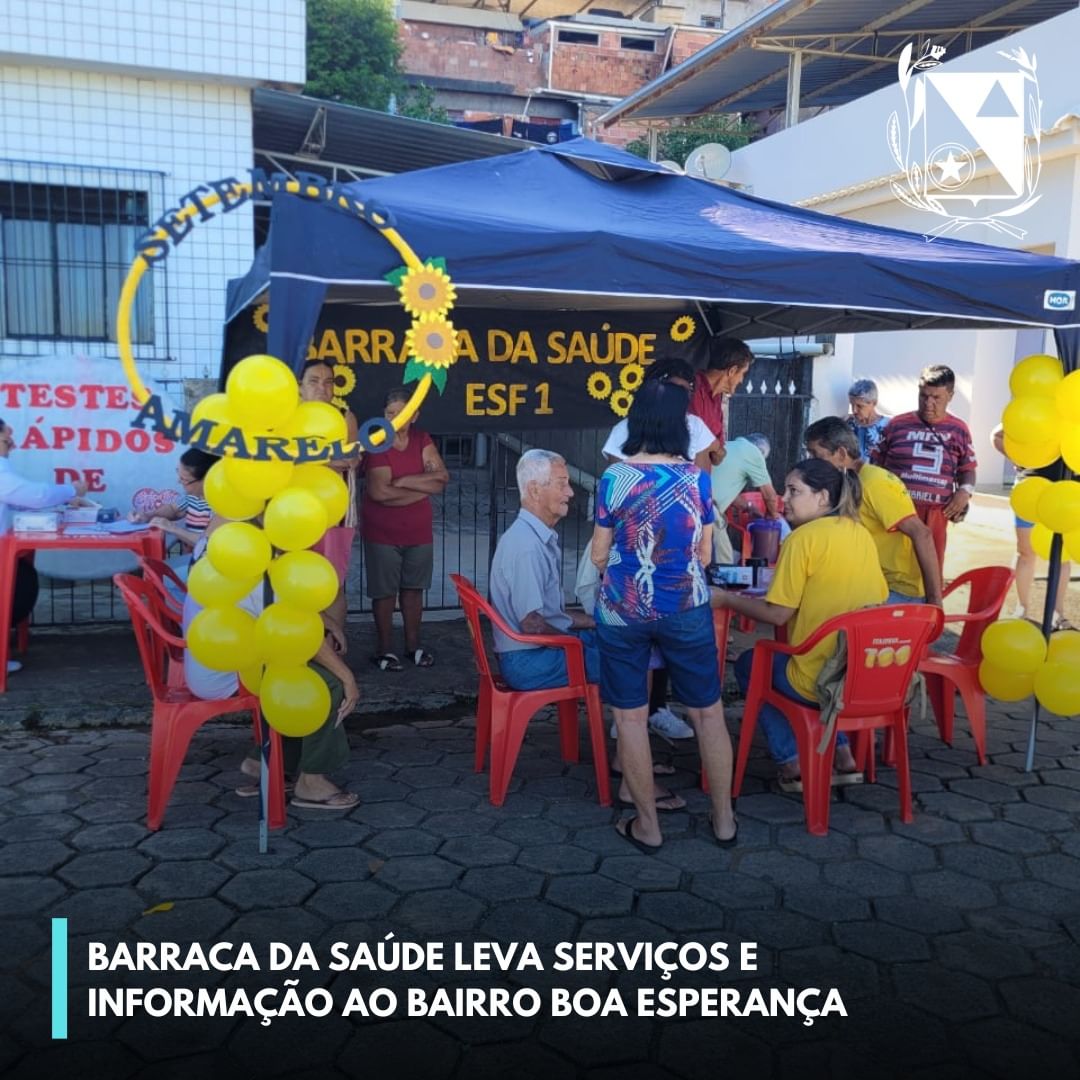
(839, 163)
(158, 95)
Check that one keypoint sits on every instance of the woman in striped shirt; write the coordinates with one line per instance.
(186, 517)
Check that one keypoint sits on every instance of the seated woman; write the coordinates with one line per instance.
(652, 536)
(190, 507)
(311, 758)
(828, 566)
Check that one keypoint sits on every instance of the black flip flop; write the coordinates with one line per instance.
(659, 799)
(387, 662)
(730, 842)
(630, 838)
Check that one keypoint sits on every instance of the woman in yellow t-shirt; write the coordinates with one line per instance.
(828, 566)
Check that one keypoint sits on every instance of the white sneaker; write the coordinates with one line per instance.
(664, 722)
(13, 666)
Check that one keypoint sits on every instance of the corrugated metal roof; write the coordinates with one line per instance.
(736, 74)
(362, 139)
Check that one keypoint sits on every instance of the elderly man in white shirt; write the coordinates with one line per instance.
(18, 493)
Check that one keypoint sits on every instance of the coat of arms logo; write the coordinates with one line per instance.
(953, 120)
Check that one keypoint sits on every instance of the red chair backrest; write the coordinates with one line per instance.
(884, 648)
(158, 572)
(989, 587)
(155, 642)
(471, 603)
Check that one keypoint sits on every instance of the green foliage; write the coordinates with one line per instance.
(352, 52)
(676, 142)
(418, 103)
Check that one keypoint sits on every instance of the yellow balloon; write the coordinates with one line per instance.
(288, 635)
(1057, 687)
(305, 580)
(294, 700)
(1036, 376)
(1064, 648)
(258, 479)
(212, 589)
(262, 392)
(328, 484)
(239, 550)
(1059, 506)
(215, 408)
(1070, 447)
(1032, 455)
(1025, 419)
(1041, 539)
(1068, 398)
(294, 519)
(318, 420)
(222, 638)
(225, 500)
(1024, 498)
(251, 677)
(1014, 645)
(1005, 685)
(1072, 546)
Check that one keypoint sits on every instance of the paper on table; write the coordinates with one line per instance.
(124, 527)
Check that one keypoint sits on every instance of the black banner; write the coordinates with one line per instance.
(514, 369)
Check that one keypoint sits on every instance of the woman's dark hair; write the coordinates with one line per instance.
(669, 367)
(841, 485)
(198, 461)
(399, 393)
(309, 364)
(656, 423)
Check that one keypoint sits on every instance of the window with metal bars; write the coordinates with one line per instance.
(64, 253)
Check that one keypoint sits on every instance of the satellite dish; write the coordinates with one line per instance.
(709, 162)
(671, 166)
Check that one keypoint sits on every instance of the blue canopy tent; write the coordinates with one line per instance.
(588, 227)
(584, 226)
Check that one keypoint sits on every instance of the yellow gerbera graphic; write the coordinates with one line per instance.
(432, 339)
(261, 318)
(339, 403)
(620, 402)
(682, 329)
(631, 377)
(599, 385)
(426, 290)
(344, 380)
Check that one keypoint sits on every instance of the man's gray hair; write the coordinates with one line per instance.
(760, 441)
(864, 390)
(535, 466)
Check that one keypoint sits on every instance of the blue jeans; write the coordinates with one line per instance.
(899, 598)
(545, 668)
(778, 733)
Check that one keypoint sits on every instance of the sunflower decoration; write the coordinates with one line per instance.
(426, 290)
(620, 402)
(631, 377)
(261, 318)
(344, 385)
(682, 329)
(431, 345)
(599, 385)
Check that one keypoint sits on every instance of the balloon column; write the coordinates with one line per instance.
(292, 506)
(1041, 424)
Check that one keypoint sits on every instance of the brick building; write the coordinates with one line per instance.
(548, 78)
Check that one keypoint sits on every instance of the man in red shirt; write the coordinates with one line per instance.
(729, 361)
(932, 452)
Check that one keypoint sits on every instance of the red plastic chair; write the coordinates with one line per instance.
(178, 714)
(947, 673)
(502, 714)
(873, 697)
(159, 573)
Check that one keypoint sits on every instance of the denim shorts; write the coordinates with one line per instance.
(687, 642)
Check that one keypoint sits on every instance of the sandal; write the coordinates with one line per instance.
(340, 800)
(658, 769)
(251, 791)
(674, 803)
(387, 662)
(628, 835)
(421, 658)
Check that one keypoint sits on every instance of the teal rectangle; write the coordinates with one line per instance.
(59, 978)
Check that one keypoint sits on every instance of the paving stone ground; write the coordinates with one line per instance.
(954, 941)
